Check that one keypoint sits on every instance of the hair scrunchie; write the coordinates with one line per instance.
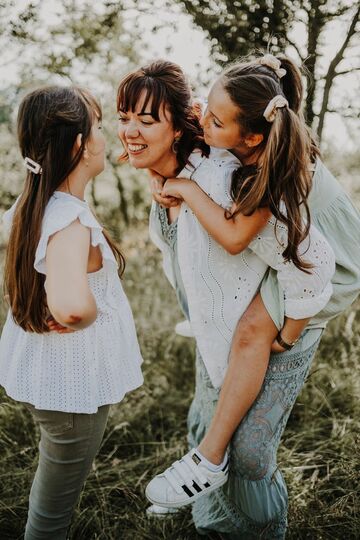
(273, 63)
(275, 103)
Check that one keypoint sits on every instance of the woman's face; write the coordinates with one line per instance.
(147, 141)
(220, 121)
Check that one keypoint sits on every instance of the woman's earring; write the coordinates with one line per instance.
(175, 145)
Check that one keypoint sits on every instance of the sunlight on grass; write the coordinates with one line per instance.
(319, 455)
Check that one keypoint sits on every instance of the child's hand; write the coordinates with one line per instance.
(156, 183)
(173, 187)
(276, 348)
(54, 326)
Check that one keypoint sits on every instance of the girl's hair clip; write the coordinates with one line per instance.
(32, 166)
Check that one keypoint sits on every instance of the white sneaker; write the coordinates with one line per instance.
(155, 511)
(184, 482)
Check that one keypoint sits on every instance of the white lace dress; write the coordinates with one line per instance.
(81, 371)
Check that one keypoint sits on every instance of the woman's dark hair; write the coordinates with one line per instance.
(283, 178)
(49, 121)
(165, 85)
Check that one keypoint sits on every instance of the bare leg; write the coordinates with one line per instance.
(248, 361)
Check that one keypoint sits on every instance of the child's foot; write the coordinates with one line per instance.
(186, 481)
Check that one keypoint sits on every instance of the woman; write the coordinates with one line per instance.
(153, 103)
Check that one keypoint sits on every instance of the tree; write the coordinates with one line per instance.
(83, 43)
(237, 27)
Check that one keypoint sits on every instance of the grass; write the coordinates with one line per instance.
(319, 454)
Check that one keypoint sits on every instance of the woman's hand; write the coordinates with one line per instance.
(156, 183)
(276, 348)
(54, 326)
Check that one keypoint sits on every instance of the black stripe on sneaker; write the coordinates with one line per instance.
(187, 491)
(197, 487)
(225, 466)
(207, 484)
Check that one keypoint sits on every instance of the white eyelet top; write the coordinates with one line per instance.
(218, 286)
(81, 371)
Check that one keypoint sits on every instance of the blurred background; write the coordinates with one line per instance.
(94, 44)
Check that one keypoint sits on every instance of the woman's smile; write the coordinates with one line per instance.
(136, 149)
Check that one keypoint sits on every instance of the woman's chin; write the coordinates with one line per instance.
(137, 162)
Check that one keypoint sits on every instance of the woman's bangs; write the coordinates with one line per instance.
(132, 90)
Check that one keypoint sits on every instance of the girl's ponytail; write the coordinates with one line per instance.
(285, 172)
(293, 88)
(282, 181)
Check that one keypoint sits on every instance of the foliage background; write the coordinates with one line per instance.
(94, 44)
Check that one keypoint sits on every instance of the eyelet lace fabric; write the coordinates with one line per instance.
(83, 370)
(253, 503)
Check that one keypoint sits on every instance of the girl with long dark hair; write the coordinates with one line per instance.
(61, 264)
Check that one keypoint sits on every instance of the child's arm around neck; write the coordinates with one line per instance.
(69, 297)
(234, 234)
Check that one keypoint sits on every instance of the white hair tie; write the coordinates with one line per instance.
(277, 102)
(32, 166)
(273, 63)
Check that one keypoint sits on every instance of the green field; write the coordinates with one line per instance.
(319, 454)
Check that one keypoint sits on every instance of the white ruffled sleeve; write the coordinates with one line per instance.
(305, 294)
(60, 214)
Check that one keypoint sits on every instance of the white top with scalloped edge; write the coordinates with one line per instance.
(81, 371)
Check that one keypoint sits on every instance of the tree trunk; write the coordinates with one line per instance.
(331, 74)
(315, 25)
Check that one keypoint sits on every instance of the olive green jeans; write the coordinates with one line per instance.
(68, 445)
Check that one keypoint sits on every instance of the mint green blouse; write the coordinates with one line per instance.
(335, 216)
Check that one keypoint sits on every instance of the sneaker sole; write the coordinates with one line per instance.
(190, 500)
(162, 515)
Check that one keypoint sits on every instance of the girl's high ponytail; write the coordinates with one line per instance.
(282, 179)
(293, 88)
(288, 181)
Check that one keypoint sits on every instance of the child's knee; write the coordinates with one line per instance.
(255, 326)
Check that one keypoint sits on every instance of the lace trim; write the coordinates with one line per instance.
(254, 445)
(169, 230)
(241, 523)
(284, 366)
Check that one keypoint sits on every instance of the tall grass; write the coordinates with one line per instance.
(319, 454)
